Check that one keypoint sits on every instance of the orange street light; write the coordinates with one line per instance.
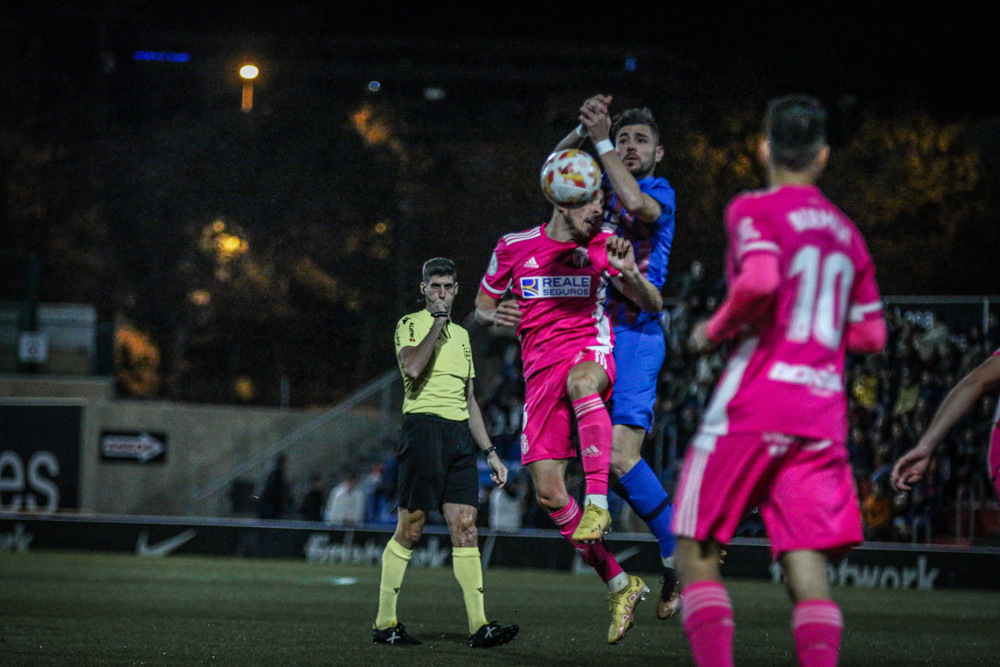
(249, 73)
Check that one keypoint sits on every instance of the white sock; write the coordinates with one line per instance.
(618, 582)
(594, 499)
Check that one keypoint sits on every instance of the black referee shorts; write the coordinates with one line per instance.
(437, 463)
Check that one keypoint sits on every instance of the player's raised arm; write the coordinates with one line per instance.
(578, 134)
(622, 157)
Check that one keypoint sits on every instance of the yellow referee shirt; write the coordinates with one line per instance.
(440, 389)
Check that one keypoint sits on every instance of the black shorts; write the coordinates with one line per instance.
(437, 463)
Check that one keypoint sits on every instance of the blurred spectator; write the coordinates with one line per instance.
(909, 390)
(695, 290)
(384, 494)
(864, 387)
(346, 504)
(933, 341)
(877, 511)
(507, 505)
(275, 497)
(311, 507)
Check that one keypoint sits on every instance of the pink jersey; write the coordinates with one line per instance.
(786, 373)
(559, 288)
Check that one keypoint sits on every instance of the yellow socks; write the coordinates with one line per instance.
(469, 573)
(395, 558)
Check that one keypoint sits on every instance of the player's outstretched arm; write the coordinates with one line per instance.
(638, 288)
(912, 465)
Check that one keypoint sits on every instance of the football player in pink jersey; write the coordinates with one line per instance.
(802, 294)
(981, 380)
(639, 206)
(557, 273)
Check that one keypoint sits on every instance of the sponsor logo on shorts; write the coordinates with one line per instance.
(555, 287)
(777, 443)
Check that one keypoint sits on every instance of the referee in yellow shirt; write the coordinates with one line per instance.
(442, 431)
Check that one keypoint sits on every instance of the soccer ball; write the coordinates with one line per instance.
(570, 177)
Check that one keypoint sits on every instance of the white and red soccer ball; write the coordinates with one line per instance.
(570, 177)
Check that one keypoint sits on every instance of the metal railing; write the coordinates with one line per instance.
(381, 385)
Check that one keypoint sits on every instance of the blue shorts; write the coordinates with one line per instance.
(639, 355)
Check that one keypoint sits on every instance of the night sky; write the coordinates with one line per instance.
(939, 57)
(186, 120)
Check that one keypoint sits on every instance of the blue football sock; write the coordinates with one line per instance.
(643, 491)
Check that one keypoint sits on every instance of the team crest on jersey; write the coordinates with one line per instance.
(580, 257)
(494, 265)
(555, 287)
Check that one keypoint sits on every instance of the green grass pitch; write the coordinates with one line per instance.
(74, 608)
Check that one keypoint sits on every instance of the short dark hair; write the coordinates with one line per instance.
(795, 126)
(635, 116)
(439, 266)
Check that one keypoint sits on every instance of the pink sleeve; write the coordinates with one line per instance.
(867, 337)
(749, 294)
(497, 278)
(866, 330)
(866, 302)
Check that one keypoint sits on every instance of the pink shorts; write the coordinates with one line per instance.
(804, 488)
(548, 412)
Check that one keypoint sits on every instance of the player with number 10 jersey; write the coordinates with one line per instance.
(786, 376)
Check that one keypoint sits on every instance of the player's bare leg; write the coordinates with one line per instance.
(817, 623)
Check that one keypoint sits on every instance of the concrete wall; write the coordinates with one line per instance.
(204, 443)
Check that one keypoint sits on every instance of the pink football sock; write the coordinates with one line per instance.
(593, 423)
(817, 626)
(597, 555)
(707, 614)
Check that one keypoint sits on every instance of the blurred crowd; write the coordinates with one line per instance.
(892, 397)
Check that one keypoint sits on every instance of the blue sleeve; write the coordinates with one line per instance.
(660, 190)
